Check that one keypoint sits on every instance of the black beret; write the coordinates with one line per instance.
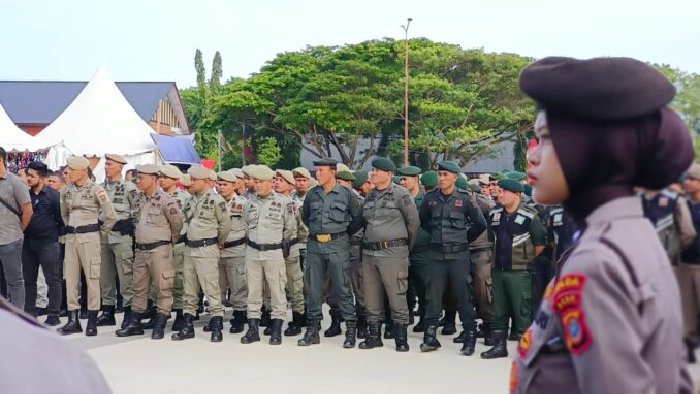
(511, 185)
(384, 164)
(408, 171)
(448, 166)
(599, 89)
(326, 161)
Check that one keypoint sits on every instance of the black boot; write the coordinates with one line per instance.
(389, 329)
(350, 334)
(209, 326)
(294, 327)
(361, 327)
(334, 330)
(106, 318)
(159, 327)
(488, 335)
(133, 326)
(72, 326)
(252, 335)
(401, 337)
(187, 330)
(264, 317)
(91, 329)
(448, 323)
(151, 315)
(52, 320)
(238, 322)
(460, 338)
(179, 320)
(420, 326)
(499, 350)
(469, 340)
(374, 337)
(311, 335)
(430, 341)
(302, 321)
(276, 336)
(268, 330)
(217, 325)
(127, 314)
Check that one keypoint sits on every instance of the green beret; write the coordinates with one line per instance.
(495, 176)
(516, 175)
(408, 171)
(475, 188)
(527, 189)
(462, 184)
(345, 175)
(396, 179)
(326, 161)
(449, 166)
(361, 176)
(384, 164)
(511, 185)
(429, 179)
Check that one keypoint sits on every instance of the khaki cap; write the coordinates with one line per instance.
(694, 171)
(341, 167)
(261, 173)
(116, 158)
(238, 173)
(226, 176)
(287, 175)
(78, 163)
(186, 181)
(301, 172)
(171, 171)
(148, 169)
(200, 172)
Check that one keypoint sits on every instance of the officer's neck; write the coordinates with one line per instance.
(114, 179)
(448, 191)
(151, 191)
(172, 189)
(329, 186)
(512, 207)
(81, 182)
(265, 196)
(203, 192)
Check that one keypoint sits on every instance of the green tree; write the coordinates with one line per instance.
(269, 153)
(199, 68)
(216, 73)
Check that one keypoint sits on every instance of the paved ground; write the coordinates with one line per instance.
(139, 365)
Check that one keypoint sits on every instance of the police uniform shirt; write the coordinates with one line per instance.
(181, 197)
(207, 218)
(336, 212)
(124, 197)
(158, 218)
(239, 228)
(270, 220)
(389, 215)
(80, 206)
(514, 235)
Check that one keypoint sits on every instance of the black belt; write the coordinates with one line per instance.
(264, 247)
(384, 244)
(450, 248)
(151, 246)
(323, 238)
(479, 250)
(356, 242)
(183, 238)
(202, 242)
(90, 228)
(511, 269)
(235, 243)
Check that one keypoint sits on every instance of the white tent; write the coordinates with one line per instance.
(98, 121)
(12, 138)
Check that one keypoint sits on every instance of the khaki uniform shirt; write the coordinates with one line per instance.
(207, 218)
(610, 321)
(390, 214)
(158, 218)
(239, 228)
(124, 197)
(80, 206)
(270, 220)
(181, 197)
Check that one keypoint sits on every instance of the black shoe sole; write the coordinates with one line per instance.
(130, 334)
(425, 348)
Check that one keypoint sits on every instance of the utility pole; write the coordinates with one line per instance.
(405, 97)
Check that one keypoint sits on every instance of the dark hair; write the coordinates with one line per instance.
(39, 167)
(58, 174)
(132, 171)
(3, 155)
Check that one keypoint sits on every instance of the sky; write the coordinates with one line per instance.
(155, 40)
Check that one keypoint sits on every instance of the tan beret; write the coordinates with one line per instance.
(694, 171)
(484, 179)
(238, 173)
(78, 163)
(261, 173)
(186, 181)
(301, 172)
(313, 183)
(226, 176)
(171, 171)
(148, 169)
(286, 175)
(247, 168)
(342, 167)
(200, 172)
(116, 158)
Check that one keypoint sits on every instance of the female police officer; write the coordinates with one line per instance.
(610, 321)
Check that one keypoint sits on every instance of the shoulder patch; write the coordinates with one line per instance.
(568, 305)
(526, 213)
(495, 211)
(670, 194)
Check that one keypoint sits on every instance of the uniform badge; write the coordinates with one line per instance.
(578, 337)
(497, 216)
(513, 377)
(572, 283)
(558, 218)
(663, 201)
(525, 343)
(519, 219)
(459, 203)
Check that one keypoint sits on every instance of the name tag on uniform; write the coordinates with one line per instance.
(519, 219)
(663, 201)
(558, 218)
(459, 203)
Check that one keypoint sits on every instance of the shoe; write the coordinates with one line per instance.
(208, 327)
(514, 336)
(268, 330)
(350, 334)
(72, 326)
(187, 330)
(159, 327)
(401, 337)
(217, 325)
(294, 327)
(420, 326)
(179, 320)
(334, 330)
(276, 331)
(127, 314)
(133, 326)
(119, 309)
(52, 320)
(63, 313)
(106, 318)
(499, 350)
(91, 329)
(151, 315)
(430, 341)
(362, 327)
(374, 337)
(265, 317)
(469, 341)
(311, 336)
(449, 328)
(238, 322)
(252, 335)
(83, 314)
(389, 330)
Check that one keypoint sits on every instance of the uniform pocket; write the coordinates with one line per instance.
(457, 220)
(167, 279)
(127, 261)
(401, 282)
(337, 212)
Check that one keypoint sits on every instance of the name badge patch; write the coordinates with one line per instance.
(519, 219)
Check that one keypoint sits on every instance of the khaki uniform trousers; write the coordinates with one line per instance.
(688, 276)
(295, 283)
(202, 273)
(117, 259)
(273, 273)
(390, 274)
(232, 276)
(481, 283)
(154, 267)
(82, 253)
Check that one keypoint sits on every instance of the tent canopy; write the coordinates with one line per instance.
(176, 149)
(12, 138)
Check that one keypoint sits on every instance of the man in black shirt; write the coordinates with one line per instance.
(41, 243)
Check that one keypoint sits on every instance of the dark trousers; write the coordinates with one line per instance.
(11, 261)
(417, 278)
(64, 304)
(542, 273)
(456, 273)
(338, 265)
(45, 255)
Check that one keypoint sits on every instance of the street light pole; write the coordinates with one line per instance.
(405, 97)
